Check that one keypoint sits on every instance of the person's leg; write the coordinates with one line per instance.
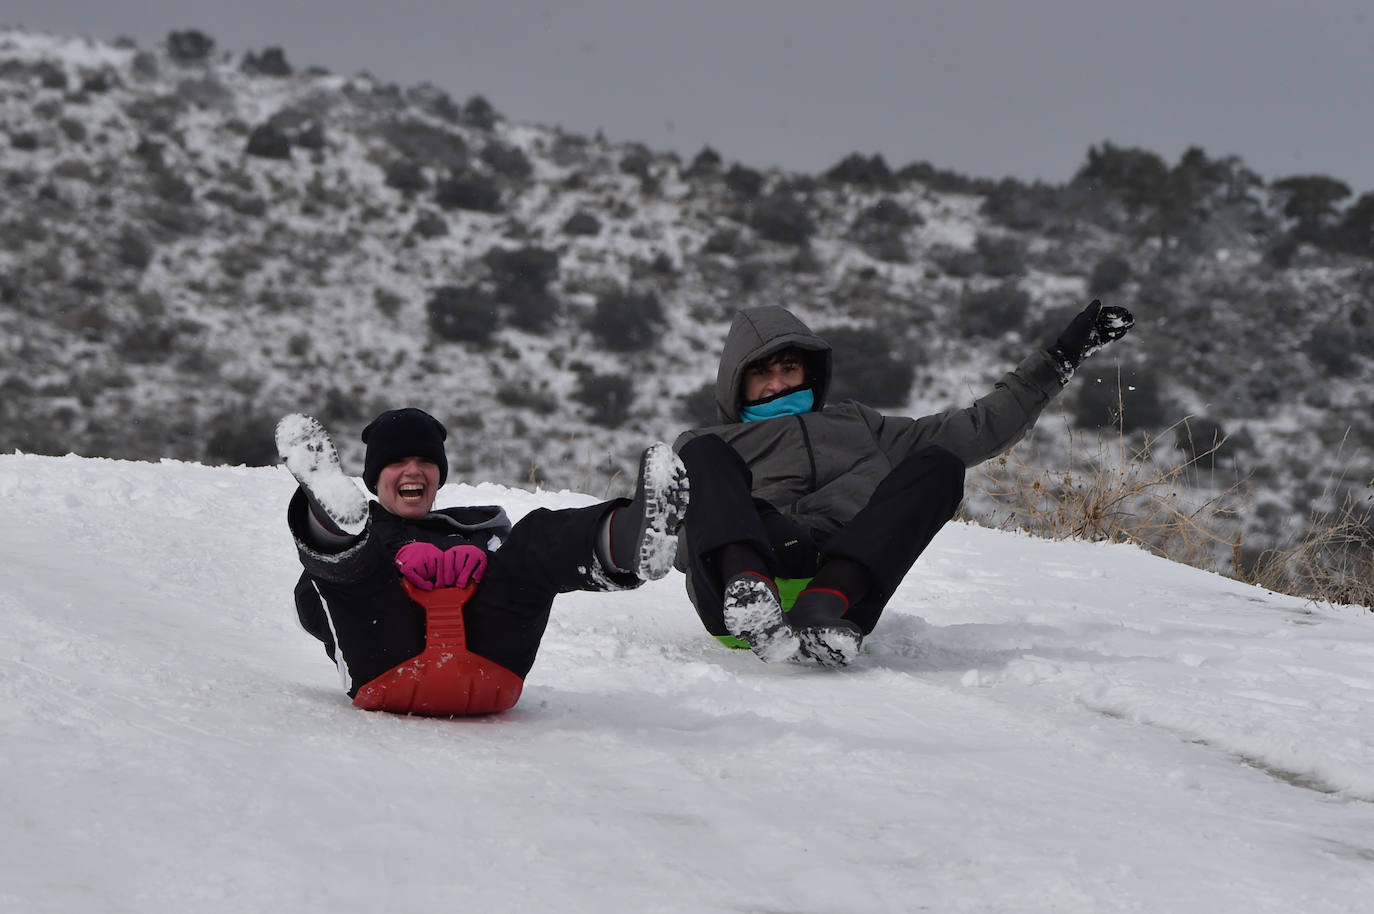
(641, 537)
(730, 560)
(547, 553)
(864, 562)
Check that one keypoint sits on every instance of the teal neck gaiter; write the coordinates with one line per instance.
(788, 403)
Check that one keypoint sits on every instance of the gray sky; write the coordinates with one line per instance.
(989, 89)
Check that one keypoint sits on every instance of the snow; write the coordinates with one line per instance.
(1035, 726)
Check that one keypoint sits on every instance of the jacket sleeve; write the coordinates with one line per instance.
(361, 559)
(979, 432)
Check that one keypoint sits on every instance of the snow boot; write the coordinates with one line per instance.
(826, 637)
(335, 501)
(753, 613)
(643, 534)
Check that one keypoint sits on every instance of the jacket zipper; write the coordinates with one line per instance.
(810, 451)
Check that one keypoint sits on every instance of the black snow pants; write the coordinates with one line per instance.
(886, 536)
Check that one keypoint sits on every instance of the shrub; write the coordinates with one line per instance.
(744, 183)
(1000, 256)
(993, 312)
(722, 241)
(148, 343)
(133, 249)
(865, 172)
(268, 142)
(478, 112)
(1019, 207)
(1203, 441)
(469, 191)
(943, 180)
(626, 322)
(173, 189)
(867, 368)
(637, 160)
(1311, 200)
(582, 223)
(1356, 231)
(532, 310)
(705, 163)
(1127, 399)
(272, 62)
(782, 218)
(96, 83)
(1138, 176)
(462, 314)
(1329, 347)
(608, 398)
(50, 75)
(189, 47)
(429, 224)
(508, 161)
(72, 129)
(428, 145)
(241, 435)
(433, 100)
(698, 408)
(888, 211)
(530, 267)
(407, 176)
(522, 277)
(1109, 274)
(145, 65)
(387, 301)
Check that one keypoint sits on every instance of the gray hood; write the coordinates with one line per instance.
(757, 333)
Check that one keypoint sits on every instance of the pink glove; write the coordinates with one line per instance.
(420, 564)
(460, 565)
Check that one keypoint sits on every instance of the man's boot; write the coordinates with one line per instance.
(753, 613)
(826, 636)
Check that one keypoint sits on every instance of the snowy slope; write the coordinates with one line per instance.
(1035, 726)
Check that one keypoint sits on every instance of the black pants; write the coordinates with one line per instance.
(376, 625)
(886, 536)
(548, 553)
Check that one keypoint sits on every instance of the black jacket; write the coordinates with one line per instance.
(371, 617)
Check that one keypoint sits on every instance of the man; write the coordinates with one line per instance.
(356, 553)
(841, 499)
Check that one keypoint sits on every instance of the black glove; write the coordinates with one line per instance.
(1091, 329)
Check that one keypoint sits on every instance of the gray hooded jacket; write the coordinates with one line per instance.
(821, 467)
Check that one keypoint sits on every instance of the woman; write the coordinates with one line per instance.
(369, 565)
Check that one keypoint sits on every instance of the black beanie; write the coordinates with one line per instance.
(400, 433)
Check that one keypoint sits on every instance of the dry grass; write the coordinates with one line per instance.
(1122, 494)
(1333, 560)
(1118, 495)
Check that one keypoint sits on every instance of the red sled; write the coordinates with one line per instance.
(445, 679)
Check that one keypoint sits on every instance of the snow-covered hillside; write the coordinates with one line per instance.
(195, 240)
(1035, 726)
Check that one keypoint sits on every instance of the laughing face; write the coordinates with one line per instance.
(407, 487)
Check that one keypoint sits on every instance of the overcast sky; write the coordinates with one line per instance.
(989, 89)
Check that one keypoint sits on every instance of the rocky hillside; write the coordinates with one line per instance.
(193, 242)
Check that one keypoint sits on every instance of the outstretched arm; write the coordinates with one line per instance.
(996, 421)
